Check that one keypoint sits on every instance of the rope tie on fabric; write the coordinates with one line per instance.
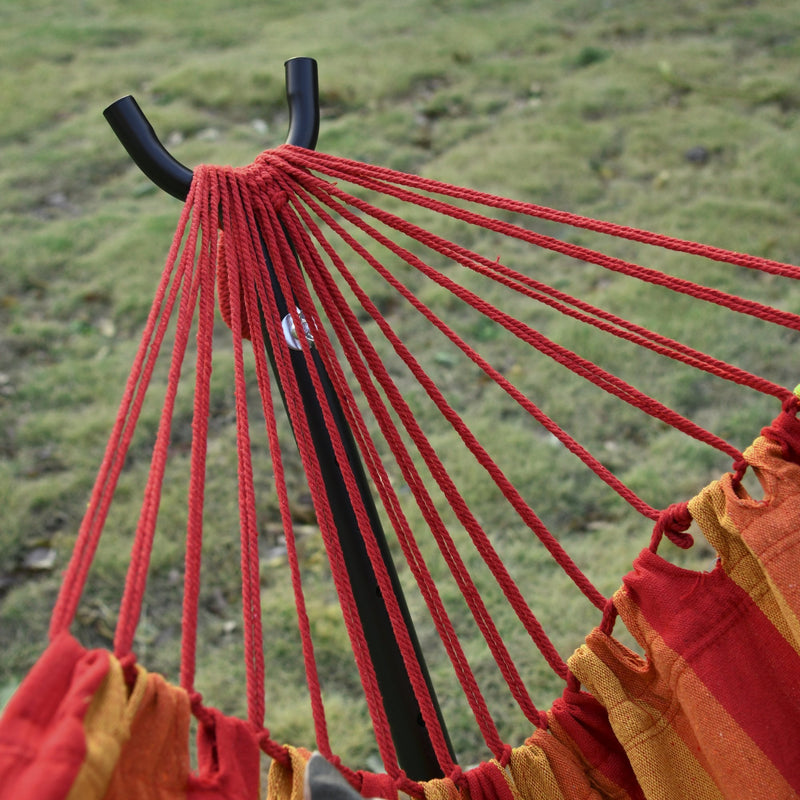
(786, 429)
(674, 523)
(199, 711)
(487, 782)
(606, 625)
(274, 750)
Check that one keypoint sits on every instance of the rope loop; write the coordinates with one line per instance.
(785, 430)
(129, 670)
(274, 750)
(673, 522)
(573, 683)
(458, 777)
(505, 757)
(199, 711)
(544, 720)
(609, 618)
(739, 468)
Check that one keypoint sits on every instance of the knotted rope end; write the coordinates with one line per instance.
(673, 522)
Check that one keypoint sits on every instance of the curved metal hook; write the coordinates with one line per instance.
(136, 133)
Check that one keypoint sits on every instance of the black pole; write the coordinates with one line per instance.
(412, 741)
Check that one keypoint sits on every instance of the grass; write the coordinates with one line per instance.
(682, 121)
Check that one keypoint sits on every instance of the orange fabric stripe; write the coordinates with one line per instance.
(580, 722)
(155, 761)
(642, 708)
(535, 776)
(542, 769)
(759, 541)
(744, 569)
(107, 726)
(604, 787)
(716, 628)
(724, 749)
(558, 766)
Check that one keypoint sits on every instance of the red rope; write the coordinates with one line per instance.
(328, 165)
(133, 595)
(342, 321)
(282, 200)
(266, 395)
(200, 417)
(582, 311)
(561, 355)
(448, 412)
(122, 433)
(413, 555)
(236, 223)
(286, 271)
(354, 171)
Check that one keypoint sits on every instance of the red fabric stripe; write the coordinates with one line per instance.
(228, 760)
(730, 644)
(586, 722)
(42, 740)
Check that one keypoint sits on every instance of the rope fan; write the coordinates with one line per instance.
(314, 259)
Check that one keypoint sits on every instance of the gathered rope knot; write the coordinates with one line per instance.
(279, 198)
(505, 756)
(673, 522)
(223, 289)
(378, 784)
(237, 249)
(129, 670)
(610, 611)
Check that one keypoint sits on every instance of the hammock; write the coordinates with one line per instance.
(712, 709)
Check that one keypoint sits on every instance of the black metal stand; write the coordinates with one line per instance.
(412, 741)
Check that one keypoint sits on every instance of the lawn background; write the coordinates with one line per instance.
(680, 117)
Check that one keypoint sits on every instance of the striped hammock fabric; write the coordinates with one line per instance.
(710, 711)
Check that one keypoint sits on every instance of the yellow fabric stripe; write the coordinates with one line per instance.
(555, 768)
(759, 541)
(286, 783)
(107, 727)
(155, 762)
(442, 789)
(642, 717)
(736, 766)
(532, 775)
(605, 788)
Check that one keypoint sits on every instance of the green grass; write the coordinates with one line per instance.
(584, 105)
